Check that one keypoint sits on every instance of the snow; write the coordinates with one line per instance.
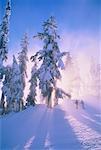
(62, 128)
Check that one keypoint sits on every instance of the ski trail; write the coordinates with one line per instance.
(89, 139)
(61, 135)
(90, 119)
(29, 143)
(36, 126)
(41, 132)
(48, 144)
(41, 128)
(18, 130)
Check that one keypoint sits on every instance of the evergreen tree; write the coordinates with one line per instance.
(31, 99)
(6, 89)
(76, 80)
(23, 59)
(4, 31)
(72, 75)
(69, 61)
(94, 81)
(51, 58)
(16, 84)
(68, 73)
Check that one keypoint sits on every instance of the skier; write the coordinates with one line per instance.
(76, 103)
(82, 104)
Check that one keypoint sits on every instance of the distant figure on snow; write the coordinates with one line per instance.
(82, 104)
(76, 103)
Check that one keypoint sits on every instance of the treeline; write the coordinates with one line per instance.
(45, 75)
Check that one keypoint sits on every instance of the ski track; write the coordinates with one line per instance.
(49, 129)
(90, 139)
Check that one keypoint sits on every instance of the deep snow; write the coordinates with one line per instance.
(61, 128)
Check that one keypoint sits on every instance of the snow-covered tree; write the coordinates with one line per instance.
(4, 31)
(31, 99)
(6, 89)
(71, 74)
(68, 73)
(69, 61)
(16, 83)
(94, 81)
(50, 56)
(76, 82)
(6, 83)
(23, 59)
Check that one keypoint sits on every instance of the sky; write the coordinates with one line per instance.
(78, 23)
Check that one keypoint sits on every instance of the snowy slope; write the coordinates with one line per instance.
(61, 128)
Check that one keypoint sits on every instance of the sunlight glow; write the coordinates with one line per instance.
(73, 81)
